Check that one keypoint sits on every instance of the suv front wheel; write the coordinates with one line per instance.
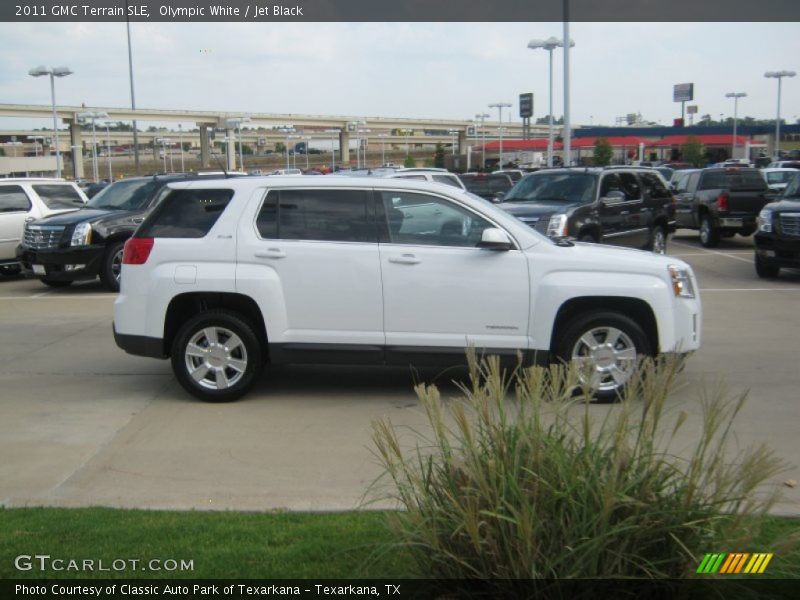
(605, 346)
(216, 356)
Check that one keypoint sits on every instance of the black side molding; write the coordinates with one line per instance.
(140, 345)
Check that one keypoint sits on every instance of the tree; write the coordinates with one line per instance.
(280, 147)
(602, 152)
(438, 156)
(247, 149)
(693, 151)
(409, 162)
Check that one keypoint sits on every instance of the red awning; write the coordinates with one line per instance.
(706, 140)
(616, 142)
(538, 144)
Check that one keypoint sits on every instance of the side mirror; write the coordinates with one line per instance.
(613, 197)
(498, 197)
(495, 239)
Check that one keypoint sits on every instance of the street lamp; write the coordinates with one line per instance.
(108, 154)
(163, 142)
(360, 131)
(307, 140)
(237, 122)
(333, 148)
(483, 117)
(499, 106)
(778, 75)
(735, 96)
(383, 137)
(93, 116)
(53, 72)
(453, 132)
(549, 44)
(180, 143)
(287, 129)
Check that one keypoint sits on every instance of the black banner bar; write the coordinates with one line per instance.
(265, 11)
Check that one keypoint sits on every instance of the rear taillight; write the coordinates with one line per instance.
(722, 201)
(137, 250)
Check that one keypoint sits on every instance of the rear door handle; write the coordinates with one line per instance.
(271, 253)
(404, 259)
(137, 219)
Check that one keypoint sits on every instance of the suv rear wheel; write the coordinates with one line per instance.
(606, 347)
(658, 240)
(709, 235)
(216, 356)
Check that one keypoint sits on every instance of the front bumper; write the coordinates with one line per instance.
(779, 252)
(62, 264)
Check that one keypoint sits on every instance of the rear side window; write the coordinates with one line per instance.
(58, 196)
(317, 215)
(653, 186)
(186, 214)
(448, 179)
(13, 199)
(630, 186)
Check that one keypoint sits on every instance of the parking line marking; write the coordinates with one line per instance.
(50, 296)
(797, 289)
(747, 260)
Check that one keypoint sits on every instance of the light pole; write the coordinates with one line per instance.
(93, 116)
(483, 117)
(567, 127)
(307, 140)
(53, 73)
(549, 44)
(735, 96)
(133, 99)
(383, 137)
(180, 143)
(778, 75)
(499, 106)
(333, 148)
(453, 133)
(360, 131)
(108, 154)
(163, 142)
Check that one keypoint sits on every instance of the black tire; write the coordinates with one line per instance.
(764, 270)
(10, 270)
(56, 284)
(112, 264)
(587, 237)
(709, 235)
(246, 355)
(629, 345)
(658, 240)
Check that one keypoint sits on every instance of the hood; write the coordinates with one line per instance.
(535, 209)
(79, 216)
(792, 204)
(601, 257)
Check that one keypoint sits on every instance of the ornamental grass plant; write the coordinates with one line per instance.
(523, 478)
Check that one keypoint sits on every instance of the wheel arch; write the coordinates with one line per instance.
(635, 308)
(185, 306)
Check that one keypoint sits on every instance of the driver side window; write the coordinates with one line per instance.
(419, 219)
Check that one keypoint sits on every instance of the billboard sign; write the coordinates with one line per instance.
(691, 109)
(526, 106)
(683, 92)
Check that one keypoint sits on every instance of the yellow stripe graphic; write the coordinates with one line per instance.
(727, 563)
(765, 563)
(753, 564)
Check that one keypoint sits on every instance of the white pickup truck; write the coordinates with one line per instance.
(227, 275)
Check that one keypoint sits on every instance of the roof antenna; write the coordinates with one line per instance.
(219, 162)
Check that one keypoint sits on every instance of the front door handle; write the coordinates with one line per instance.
(271, 253)
(137, 219)
(404, 259)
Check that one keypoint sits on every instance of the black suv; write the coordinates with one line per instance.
(778, 235)
(88, 242)
(620, 206)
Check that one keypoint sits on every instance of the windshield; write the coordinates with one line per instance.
(780, 176)
(125, 195)
(793, 189)
(57, 196)
(570, 188)
(487, 185)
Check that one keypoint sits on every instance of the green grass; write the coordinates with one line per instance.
(221, 544)
(246, 545)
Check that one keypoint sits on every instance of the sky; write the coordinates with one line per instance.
(414, 70)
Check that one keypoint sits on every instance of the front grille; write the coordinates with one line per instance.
(790, 224)
(43, 237)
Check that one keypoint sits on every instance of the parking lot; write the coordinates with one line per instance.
(82, 423)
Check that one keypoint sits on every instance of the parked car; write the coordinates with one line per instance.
(623, 206)
(777, 238)
(25, 199)
(435, 176)
(514, 174)
(784, 164)
(720, 202)
(778, 179)
(486, 185)
(227, 275)
(88, 243)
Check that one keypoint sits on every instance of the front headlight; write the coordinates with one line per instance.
(82, 236)
(765, 220)
(557, 227)
(682, 285)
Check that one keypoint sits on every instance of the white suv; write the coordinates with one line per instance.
(26, 199)
(227, 275)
